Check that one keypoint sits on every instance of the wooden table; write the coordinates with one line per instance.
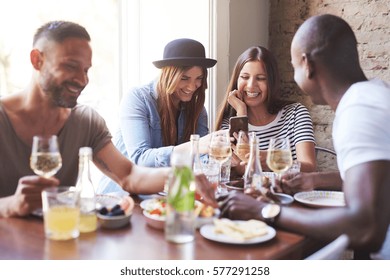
(24, 239)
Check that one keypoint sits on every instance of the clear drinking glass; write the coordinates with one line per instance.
(60, 213)
(242, 146)
(220, 151)
(279, 158)
(180, 214)
(295, 168)
(45, 157)
(211, 169)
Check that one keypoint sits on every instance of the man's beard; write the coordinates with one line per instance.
(57, 93)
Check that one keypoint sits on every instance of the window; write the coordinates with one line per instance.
(100, 18)
(127, 35)
(148, 25)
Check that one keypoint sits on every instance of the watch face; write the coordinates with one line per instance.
(270, 211)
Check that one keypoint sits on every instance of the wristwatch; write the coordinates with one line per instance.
(270, 212)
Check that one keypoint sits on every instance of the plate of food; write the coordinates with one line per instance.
(237, 231)
(155, 210)
(321, 198)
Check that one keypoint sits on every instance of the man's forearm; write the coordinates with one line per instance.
(329, 180)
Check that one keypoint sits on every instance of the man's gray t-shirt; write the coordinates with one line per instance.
(84, 128)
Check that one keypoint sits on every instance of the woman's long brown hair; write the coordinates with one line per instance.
(169, 79)
(274, 101)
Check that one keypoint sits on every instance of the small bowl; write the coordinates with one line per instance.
(114, 222)
(284, 199)
(236, 185)
(154, 221)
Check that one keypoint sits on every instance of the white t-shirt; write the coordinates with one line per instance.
(361, 128)
(361, 131)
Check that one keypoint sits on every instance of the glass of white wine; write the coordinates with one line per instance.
(220, 151)
(279, 158)
(242, 147)
(45, 157)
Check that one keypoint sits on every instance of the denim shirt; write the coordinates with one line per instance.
(139, 137)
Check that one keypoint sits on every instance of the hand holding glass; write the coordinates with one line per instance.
(45, 157)
(220, 149)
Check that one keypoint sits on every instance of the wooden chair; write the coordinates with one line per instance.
(333, 251)
(324, 150)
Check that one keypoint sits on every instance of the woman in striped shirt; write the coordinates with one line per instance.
(254, 91)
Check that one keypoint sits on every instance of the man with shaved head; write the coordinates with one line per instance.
(326, 66)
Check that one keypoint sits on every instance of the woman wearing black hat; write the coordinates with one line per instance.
(159, 117)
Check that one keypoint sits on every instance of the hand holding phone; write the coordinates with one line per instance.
(238, 123)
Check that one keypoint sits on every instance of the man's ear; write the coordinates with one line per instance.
(308, 64)
(36, 59)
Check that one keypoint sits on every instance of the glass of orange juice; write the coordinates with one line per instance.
(60, 213)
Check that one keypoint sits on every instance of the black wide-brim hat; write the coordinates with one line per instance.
(184, 52)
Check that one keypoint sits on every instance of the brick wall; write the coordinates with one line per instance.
(370, 20)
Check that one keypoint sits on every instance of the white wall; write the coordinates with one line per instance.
(231, 27)
(238, 25)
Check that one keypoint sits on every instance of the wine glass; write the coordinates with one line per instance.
(45, 157)
(279, 158)
(220, 151)
(242, 146)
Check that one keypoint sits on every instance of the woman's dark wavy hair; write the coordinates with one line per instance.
(274, 101)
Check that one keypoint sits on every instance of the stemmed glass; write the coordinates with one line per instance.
(45, 157)
(220, 151)
(242, 146)
(279, 158)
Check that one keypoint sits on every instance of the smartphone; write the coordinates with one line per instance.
(238, 123)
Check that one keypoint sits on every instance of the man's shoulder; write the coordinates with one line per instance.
(367, 93)
(376, 85)
(82, 108)
(84, 111)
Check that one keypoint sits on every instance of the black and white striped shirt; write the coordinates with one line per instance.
(293, 121)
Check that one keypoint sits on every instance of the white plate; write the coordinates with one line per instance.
(207, 231)
(321, 198)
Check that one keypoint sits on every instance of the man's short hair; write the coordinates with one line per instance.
(60, 30)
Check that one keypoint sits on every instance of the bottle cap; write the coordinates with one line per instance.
(194, 137)
(85, 151)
